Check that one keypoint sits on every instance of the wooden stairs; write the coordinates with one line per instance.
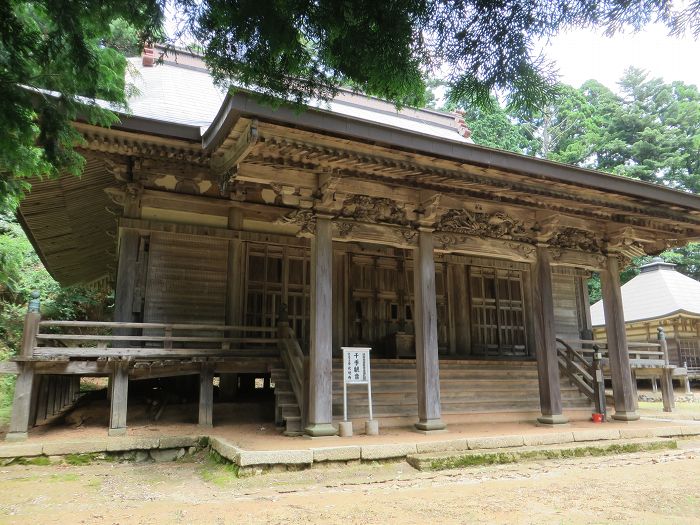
(466, 387)
(287, 411)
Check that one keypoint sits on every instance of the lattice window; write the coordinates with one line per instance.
(498, 320)
(689, 353)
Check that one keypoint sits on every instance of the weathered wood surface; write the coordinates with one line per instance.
(425, 323)
(320, 411)
(621, 373)
(119, 398)
(545, 339)
(206, 395)
(22, 403)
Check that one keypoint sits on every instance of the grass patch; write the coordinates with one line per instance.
(40, 461)
(78, 460)
(502, 458)
(218, 470)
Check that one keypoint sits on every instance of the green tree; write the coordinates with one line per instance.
(54, 65)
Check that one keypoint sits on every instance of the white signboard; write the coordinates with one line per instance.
(356, 365)
(356, 372)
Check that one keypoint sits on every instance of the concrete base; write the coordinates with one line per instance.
(321, 430)
(207, 426)
(430, 425)
(372, 427)
(625, 416)
(116, 432)
(551, 420)
(345, 429)
(13, 437)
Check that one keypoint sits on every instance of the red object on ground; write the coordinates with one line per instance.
(597, 418)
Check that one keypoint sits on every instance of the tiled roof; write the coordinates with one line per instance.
(657, 292)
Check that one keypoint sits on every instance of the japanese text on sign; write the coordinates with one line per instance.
(356, 365)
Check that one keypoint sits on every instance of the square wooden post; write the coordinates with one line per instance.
(545, 340)
(119, 398)
(25, 392)
(620, 370)
(425, 323)
(22, 404)
(206, 395)
(320, 413)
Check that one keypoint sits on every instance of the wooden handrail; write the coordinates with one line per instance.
(296, 364)
(172, 326)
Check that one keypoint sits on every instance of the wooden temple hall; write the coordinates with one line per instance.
(246, 242)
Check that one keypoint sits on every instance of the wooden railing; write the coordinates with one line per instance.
(297, 365)
(68, 339)
(584, 365)
(586, 373)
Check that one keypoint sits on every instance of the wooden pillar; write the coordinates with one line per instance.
(129, 241)
(119, 398)
(620, 370)
(544, 337)
(425, 327)
(206, 395)
(235, 284)
(320, 413)
(22, 404)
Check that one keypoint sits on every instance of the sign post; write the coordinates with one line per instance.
(356, 371)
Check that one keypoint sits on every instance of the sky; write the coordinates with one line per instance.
(583, 54)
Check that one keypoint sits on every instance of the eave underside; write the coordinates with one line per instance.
(271, 171)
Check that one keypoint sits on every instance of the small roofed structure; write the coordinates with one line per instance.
(660, 296)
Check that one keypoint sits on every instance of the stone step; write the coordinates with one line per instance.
(433, 461)
(293, 426)
(453, 397)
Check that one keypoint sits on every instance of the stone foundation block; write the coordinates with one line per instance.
(634, 433)
(178, 441)
(132, 443)
(596, 435)
(554, 438)
(20, 450)
(61, 448)
(336, 453)
(248, 458)
(442, 446)
(166, 454)
(691, 430)
(388, 451)
(225, 449)
(667, 431)
(495, 442)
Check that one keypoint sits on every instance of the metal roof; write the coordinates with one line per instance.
(658, 291)
(186, 94)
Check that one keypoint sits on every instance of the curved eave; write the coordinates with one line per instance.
(244, 105)
(148, 126)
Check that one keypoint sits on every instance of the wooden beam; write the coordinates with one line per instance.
(221, 164)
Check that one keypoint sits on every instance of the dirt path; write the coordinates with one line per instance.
(660, 487)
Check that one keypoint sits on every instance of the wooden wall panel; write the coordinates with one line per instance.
(566, 306)
(186, 280)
